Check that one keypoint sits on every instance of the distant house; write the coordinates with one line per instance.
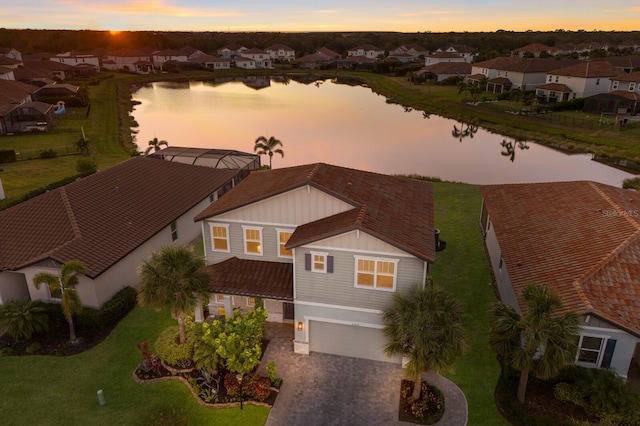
(261, 58)
(281, 52)
(440, 57)
(231, 50)
(38, 69)
(366, 50)
(78, 60)
(623, 63)
(324, 247)
(533, 50)
(244, 63)
(355, 62)
(461, 50)
(9, 62)
(212, 62)
(322, 57)
(581, 238)
(505, 73)
(56, 90)
(10, 52)
(444, 70)
(112, 220)
(626, 82)
(128, 59)
(6, 73)
(584, 79)
(622, 99)
(411, 50)
(18, 110)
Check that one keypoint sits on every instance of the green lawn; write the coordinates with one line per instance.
(463, 269)
(41, 390)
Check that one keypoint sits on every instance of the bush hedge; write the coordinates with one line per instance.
(7, 155)
(91, 320)
(168, 348)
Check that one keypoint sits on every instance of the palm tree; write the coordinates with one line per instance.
(155, 145)
(424, 325)
(65, 284)
(21, 319)
(173, 278)
(266, 146)
(464, 132)
(539, 341)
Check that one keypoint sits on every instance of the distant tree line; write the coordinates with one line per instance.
(488, 44)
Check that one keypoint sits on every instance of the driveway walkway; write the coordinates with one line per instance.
(321, 389)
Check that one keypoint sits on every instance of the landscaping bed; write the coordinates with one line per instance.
(427, 410)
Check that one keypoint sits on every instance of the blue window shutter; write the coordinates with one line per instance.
(329, 263)
(608, 353)
(307, 261)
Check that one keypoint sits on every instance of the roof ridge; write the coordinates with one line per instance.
(72, 218)
(614, 205)
(313, 171)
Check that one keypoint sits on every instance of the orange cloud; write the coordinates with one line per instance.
(160, 7)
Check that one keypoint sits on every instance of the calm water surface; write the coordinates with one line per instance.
(347, 126)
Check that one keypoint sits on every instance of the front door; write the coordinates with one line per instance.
(288, 311)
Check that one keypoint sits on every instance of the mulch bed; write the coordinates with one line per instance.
(431, 399)
(54, 342)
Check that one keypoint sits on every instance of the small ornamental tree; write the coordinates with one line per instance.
(237, 343)
(21, 319)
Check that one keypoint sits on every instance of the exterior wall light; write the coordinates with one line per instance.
(300, 325)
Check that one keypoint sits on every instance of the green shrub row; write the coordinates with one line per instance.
(91, 320)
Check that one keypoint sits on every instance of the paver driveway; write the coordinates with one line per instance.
(321, 389)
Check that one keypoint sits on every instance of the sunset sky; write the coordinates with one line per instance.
(333, 15)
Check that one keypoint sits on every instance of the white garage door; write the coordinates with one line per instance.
(348, 340)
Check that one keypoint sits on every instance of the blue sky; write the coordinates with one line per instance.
(334, 15)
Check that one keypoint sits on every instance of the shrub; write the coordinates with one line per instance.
(48, 153)
(33, 348)
(91, 320)
(149, 362)
(232, 385)
(169, 349)
(273, 376)
(7, 155)
(23, 318)
(256, 387)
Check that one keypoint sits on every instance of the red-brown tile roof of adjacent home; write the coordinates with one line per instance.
(101, 218)
(556, 87)
(588, 70)
(533, 48)
(633, 77)
(583, 238)
(248, 278)
(396, 210)
(447, 68)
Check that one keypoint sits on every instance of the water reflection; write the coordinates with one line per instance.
(510, 148)
(466, 130)
(347, 125)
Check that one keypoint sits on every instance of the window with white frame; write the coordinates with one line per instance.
(174, 230)
(376, 273)
(589, 349)
(318, 262)
(632, 86)
(55, 294)
(252, 240)
(220, 237)
(614, 86)
(251, 302)
(219, 298)
(283, 237)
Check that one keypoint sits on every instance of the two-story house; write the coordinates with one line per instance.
(461, 50)
(577, 81)
(261, 58)
(581, 238)
(127, 59)
(281, 52)
(77, 59)
(367, 50)
(323, 246)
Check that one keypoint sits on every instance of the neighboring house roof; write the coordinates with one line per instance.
(499, 80)
(204, 58)
(365, 47)
(535, 48)
(248, 278)
(588, 70)
(254, 50)
(101, 218)
(5, 60)
(443, 55)
(632, 77)
(460, 48)
(632, 96)
(583, 238)
(15, 92)
(458, 68)
(313, 58)
(556, 87)
(127, 52)
(279, 46)
(41, 107)
(328, 52)
(527, 65)
(396, 210)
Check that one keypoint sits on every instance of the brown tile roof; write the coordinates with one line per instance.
(534, 48)
(527, 65)
(279, 46)
(632, 77)
(556, 87)
(632, 96)
(583, 238)
(394, 209)
(588, 70)
(272, 280)
(101, 218)
(448, 68)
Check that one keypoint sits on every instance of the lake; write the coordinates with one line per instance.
(351, 126)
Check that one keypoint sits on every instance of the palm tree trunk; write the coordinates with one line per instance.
(417, 386)
(183, 333)
(72, 331)
(270, 157)
(522, 385)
